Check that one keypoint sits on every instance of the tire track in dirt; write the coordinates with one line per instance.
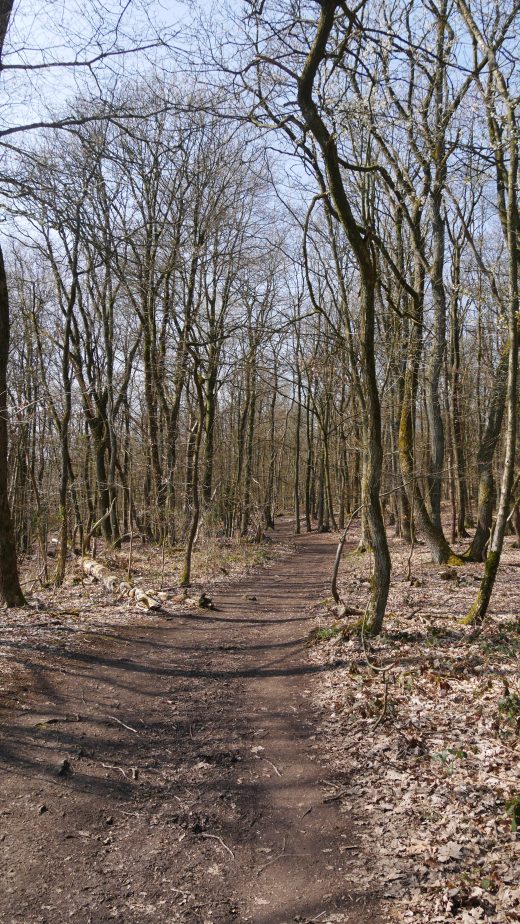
(171, 772)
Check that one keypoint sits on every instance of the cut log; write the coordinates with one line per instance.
(100, 573)
(145, 599)
(114, 584)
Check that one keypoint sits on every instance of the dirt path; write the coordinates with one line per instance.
(171, 773)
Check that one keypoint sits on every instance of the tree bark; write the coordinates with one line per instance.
(10, 590)
(366, 263)
(486, 451)
(503, 130)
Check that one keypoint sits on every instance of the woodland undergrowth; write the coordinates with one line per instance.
(423, 723)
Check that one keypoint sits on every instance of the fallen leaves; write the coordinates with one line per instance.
(431, 792)
(449, 851)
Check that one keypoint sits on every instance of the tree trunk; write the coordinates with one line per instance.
(297, 454)
(195, 498)
(440, 550)
(209, 427)
(64, 435)
(248, 461)
(269, 493)
(460, 474)
(502, 122)
(309, 467)
(436, 426)
(10, 590)
(486, 451)
(366, 263)
(373, 467)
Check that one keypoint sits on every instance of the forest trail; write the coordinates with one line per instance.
(171, 772)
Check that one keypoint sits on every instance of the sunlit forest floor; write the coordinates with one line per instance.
(257, 762)
(82, 609)
(424, 725)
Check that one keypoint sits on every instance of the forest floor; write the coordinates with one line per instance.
(206, 766)
(424, 722)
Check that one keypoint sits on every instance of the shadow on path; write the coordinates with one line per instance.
(171, 773)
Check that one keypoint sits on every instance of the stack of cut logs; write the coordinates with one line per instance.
(150, 600)
(113, 584)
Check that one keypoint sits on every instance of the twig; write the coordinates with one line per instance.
(334, 584)
(98, 523)
(385, 703)
(130, 557)
(338, 795)
(113, 767)
(276, 770)
(412, 538)
(273, 859)
(30, 581)
(374, 667)
(119, 722)
(163, 559)
(215, 837)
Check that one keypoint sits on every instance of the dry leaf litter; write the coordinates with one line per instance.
(423, 726)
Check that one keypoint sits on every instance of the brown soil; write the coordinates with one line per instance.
(170, 771)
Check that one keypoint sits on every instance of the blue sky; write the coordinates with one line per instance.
(54, 32)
